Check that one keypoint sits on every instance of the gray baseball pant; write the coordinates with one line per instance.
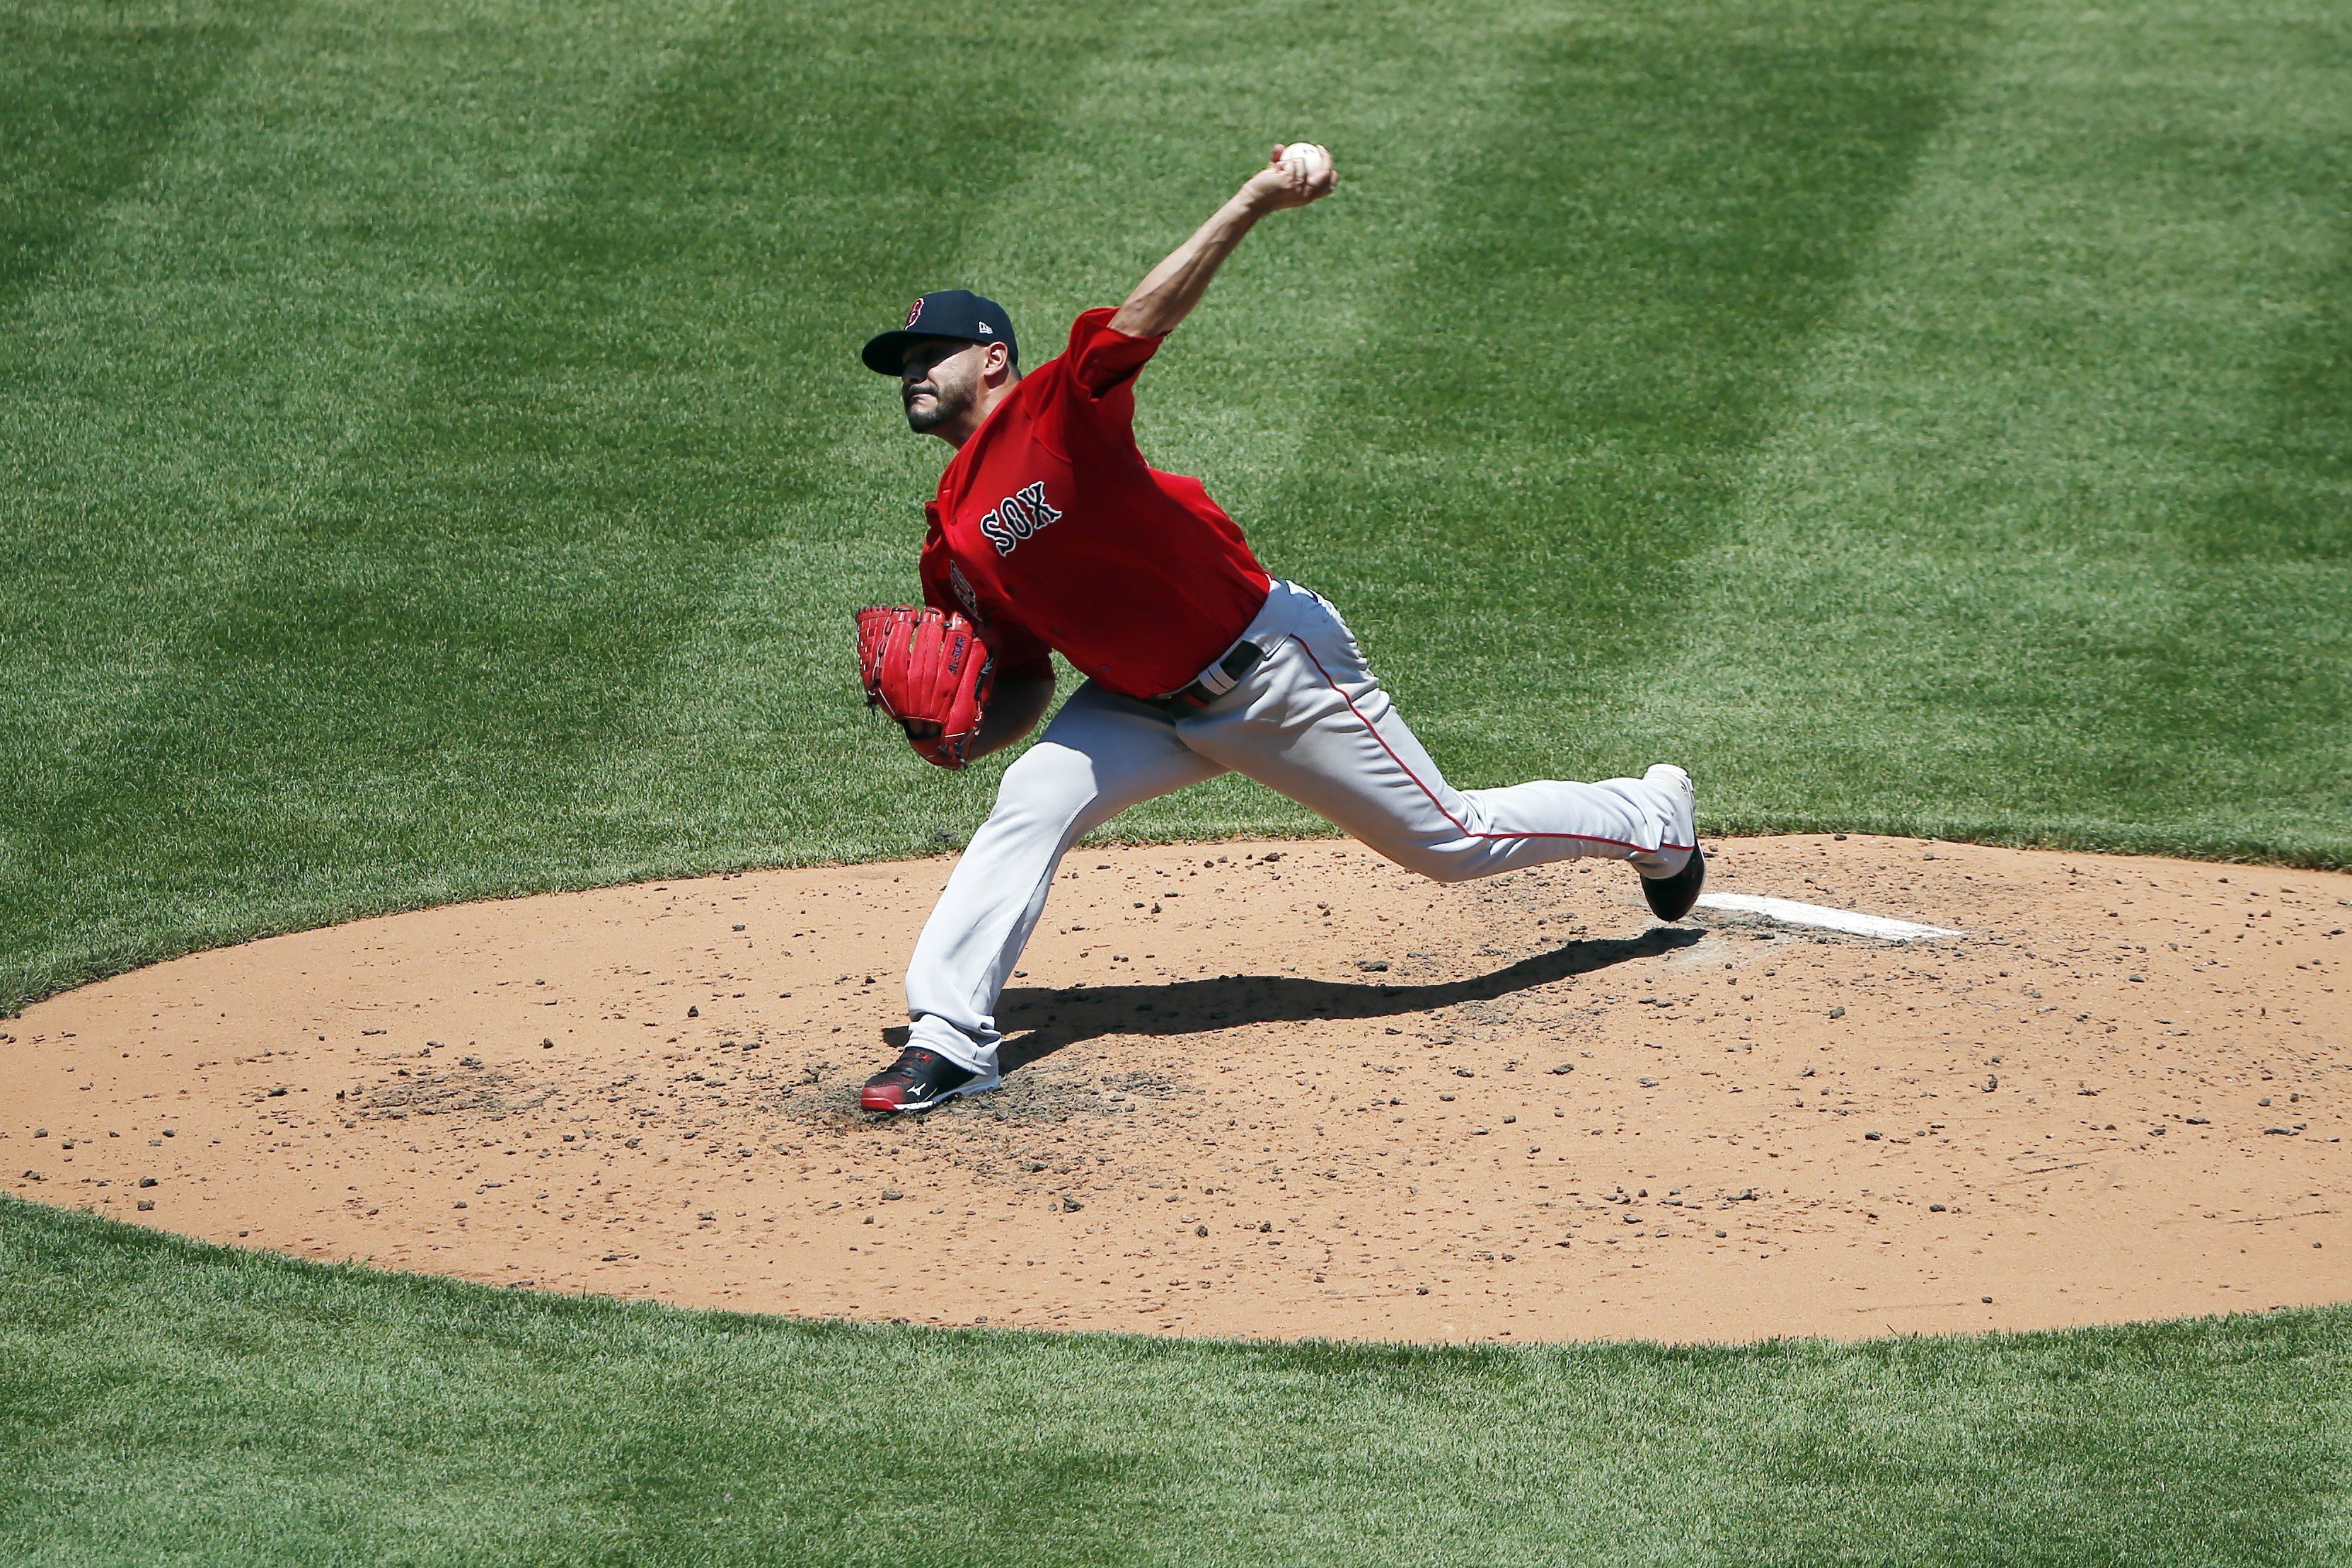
(1309, 720)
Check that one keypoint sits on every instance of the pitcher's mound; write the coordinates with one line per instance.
(1274, 1089)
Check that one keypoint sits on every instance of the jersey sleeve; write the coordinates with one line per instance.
(1104, 362)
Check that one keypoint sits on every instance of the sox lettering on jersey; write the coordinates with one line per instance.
(1017, 517)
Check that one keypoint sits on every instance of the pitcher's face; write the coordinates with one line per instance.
(942, 380)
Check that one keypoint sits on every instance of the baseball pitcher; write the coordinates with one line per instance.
(1050, 533)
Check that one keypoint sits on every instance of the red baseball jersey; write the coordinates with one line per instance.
(1051, 532)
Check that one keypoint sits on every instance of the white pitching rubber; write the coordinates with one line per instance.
(1850, 920)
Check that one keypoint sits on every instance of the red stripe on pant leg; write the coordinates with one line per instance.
(1406, 769)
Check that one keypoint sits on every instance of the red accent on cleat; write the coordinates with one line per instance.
(919, 1079)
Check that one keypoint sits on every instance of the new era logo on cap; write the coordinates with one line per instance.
(955, 313)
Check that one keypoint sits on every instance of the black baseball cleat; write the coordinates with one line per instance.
(919, 1079)
(1672, 897)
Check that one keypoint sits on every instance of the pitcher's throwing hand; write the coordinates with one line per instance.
(1296, 175)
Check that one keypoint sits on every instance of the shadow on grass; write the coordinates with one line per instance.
(87, 101)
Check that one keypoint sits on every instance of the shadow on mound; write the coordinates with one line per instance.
(1052, 1019)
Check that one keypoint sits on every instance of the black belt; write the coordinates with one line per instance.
(1239, 661)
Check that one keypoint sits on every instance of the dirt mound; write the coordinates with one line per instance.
(1274, 1089)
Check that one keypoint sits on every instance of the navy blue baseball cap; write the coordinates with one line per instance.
(949, 313)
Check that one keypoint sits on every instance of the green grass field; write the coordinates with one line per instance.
(434, 463)
(165, 1403)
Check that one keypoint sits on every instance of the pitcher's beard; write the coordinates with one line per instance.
(922, 421)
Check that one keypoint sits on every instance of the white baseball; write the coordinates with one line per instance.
(1305, 160)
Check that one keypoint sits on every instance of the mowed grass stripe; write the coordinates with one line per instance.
(2057, 549)
(450, 626)
(232, 321)
(172, 405)
(158, 1396)
(86, 101)
(1554, 401)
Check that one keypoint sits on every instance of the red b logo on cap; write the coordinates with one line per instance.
(914, 312)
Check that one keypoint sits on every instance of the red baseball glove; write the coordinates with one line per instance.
(931, 671)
